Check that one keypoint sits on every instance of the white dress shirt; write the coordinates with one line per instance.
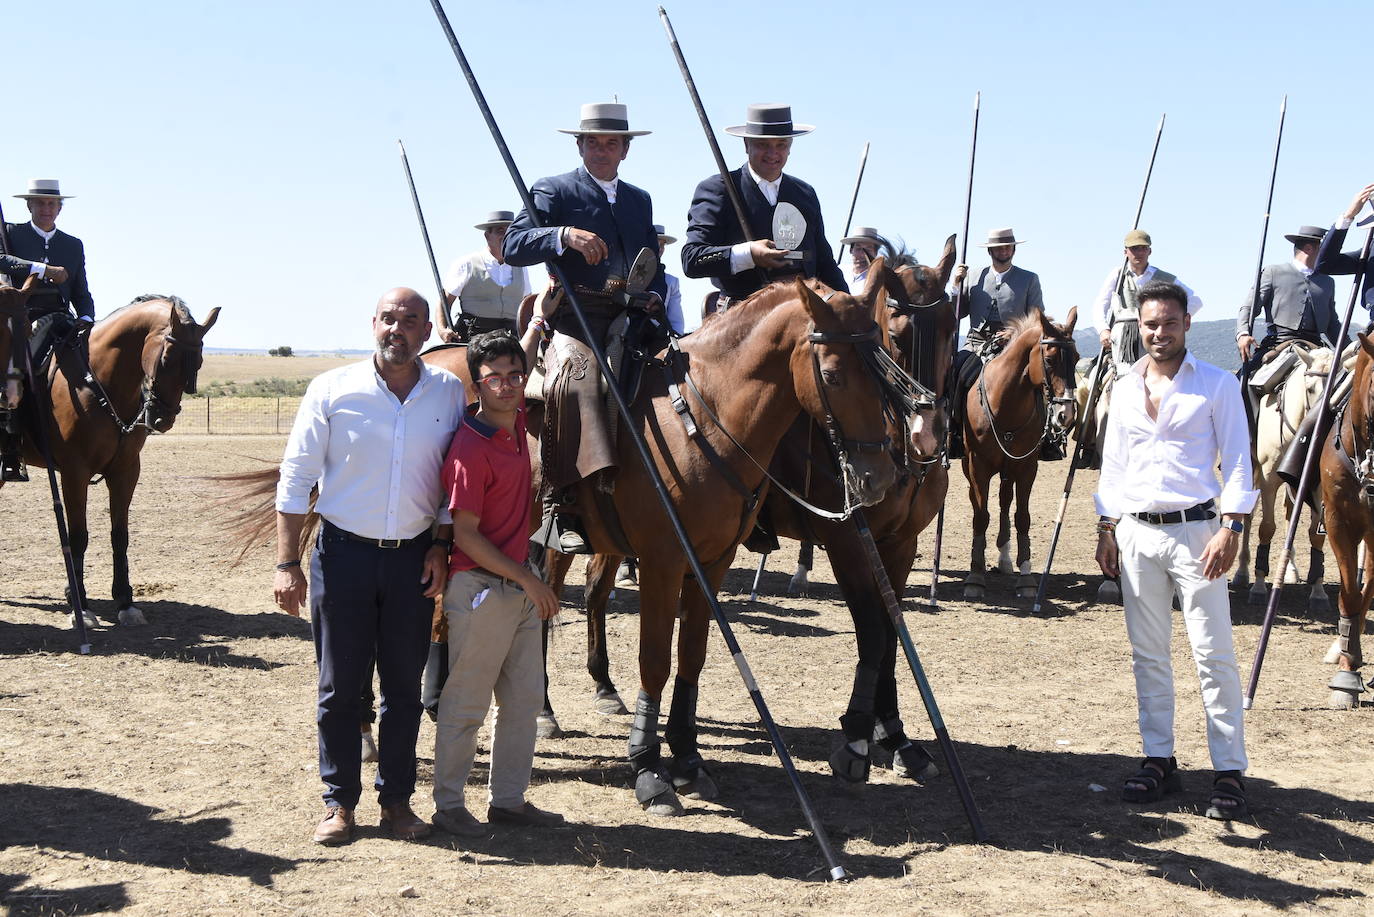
(1102, 305)
(673, 306)
(1169, 463)
(460, 272)
(375, 458)
(740, 259)
(39, 267)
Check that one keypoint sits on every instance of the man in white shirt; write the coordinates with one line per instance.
(487, 289)
(672, 304)
(1173, 419)
(372, 436)
(1117, 305)
(864, 244)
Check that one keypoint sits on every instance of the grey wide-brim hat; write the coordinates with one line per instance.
(998, 237)
(863, 234)
(45, 188)
(604, 118)
(767, 120)
(1306, 234)
(663, 234)
(494, 219)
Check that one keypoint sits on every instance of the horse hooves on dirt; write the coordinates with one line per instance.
(1005, 564)
(974, 592)
(1241, 580)
(800, 583)
(1259, 595)
(1027, 587)
(91, 619)
(132, 616)
(547, 726)
(655, 794)
(1342, 700)
(702, 787)
(1319, 603)
(1109, 593)
(609, 705)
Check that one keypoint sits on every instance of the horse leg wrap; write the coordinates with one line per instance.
(858, 721)
(890, 733)
(849, 765)
(806, 555)
(682, 719)
(644, 743)
(1262, 560)
(651, 784)
(1316, 566)
(1343, 628)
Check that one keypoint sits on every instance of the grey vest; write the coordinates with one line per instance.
(1126, 296)
(990, 301)
(485, 298)
(1292, 301)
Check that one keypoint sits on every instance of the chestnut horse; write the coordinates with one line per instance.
(920, 325)
(1347, 482)
(142, 358)
(13, 334)
(1022, 393)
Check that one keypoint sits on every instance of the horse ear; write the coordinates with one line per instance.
(815, 306)
(875, 283)
(1366, 343)
(946, 265)
(1073, 320)
(210, 320)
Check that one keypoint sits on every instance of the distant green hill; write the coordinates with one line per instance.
(1214, 342)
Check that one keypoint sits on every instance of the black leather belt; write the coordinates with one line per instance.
(389, 543)
(1191, 514)
(505, 579)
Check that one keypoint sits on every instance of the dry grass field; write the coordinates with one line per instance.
(173, 771)
(244, 367)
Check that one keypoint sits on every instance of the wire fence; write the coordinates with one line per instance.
(231, 414)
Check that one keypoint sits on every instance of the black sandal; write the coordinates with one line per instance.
(1156, 777)
(1227, 800)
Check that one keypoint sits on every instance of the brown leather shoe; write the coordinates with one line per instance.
(403, 823)
(527, 814)
(336, 827)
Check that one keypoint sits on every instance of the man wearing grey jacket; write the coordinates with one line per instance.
(1296, 302)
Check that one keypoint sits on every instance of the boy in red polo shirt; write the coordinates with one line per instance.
(494, 602)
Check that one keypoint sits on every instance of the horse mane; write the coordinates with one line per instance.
(728, 329)
(1016, 326)
(176, 302)
(897, 254)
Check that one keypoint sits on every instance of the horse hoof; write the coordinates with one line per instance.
(546, 727)
(800, 582)
(1319, 603)
(655, 793)
(609, 705)
(1342, 700)
(1241, 580)
(1109, 593)
(1005, 565)
(369, 748)
(132, 616)
(974, 592)
(913, 762)
(1259, 594)
(1290, 575)
(1333, 655)
(90, 619)
(850, 766)
(702, 786)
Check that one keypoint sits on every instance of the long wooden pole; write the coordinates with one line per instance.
(853, 200)
(1264, 236)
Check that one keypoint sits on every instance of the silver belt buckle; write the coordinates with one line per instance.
(388, 542)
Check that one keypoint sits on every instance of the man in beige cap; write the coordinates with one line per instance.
(1116, 311)
(487, 289)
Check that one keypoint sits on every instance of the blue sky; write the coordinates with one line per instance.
(243, 154)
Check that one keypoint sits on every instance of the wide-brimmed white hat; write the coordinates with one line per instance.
(663, 234)
(998, 237)
(765, 120)
(604, 118)
(496, 218)
(44, 188)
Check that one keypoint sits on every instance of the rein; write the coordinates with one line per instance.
(1044, 396)
(148, 392)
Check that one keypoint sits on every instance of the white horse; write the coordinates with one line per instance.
(1280, 414)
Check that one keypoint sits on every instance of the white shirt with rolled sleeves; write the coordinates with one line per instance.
(1168, 464)
(1102, 306)
(375, 458)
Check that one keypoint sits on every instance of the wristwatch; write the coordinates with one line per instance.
(1235, 525)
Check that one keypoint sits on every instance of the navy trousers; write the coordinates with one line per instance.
(368, 603)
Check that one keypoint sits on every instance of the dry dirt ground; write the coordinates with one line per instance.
(173, 770)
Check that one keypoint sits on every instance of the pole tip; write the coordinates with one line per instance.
(85, 649)
(838, 874)
(1247, 702)
(1035, 609)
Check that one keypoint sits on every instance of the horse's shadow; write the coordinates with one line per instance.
(101, 826)
(1066, 594)
(176, 630)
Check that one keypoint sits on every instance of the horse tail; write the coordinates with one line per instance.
(249, 500)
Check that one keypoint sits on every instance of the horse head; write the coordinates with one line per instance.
(836, 386)
(13, 335)
(171, 361)
(921, 326)
(1056, 370)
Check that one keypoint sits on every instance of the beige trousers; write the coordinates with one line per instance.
(494, 649)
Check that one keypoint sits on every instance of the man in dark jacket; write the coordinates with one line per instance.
(783, 212)
(1331, 260)
(593, 226)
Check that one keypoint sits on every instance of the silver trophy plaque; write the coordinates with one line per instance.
(789, 228)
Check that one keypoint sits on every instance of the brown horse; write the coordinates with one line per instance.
(13, 335)
(142, 358)
(1024, 392)
(1347, 482)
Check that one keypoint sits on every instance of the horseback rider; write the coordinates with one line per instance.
(58, 259)
(864, 244)
(593, 225)
(1298, 304)
(488, 290)
(781, 207)
(1001, 293)
(1116, 311)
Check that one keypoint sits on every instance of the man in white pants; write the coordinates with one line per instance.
(1173, 419)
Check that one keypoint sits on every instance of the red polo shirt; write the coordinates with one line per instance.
(487, 473)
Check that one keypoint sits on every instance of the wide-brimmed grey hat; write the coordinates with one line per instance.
(663, 234)
(1306, 234)
(494, 219)
(862, 234)
(604, 118)
(44, 188)
(998, 237)
(766, 120)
